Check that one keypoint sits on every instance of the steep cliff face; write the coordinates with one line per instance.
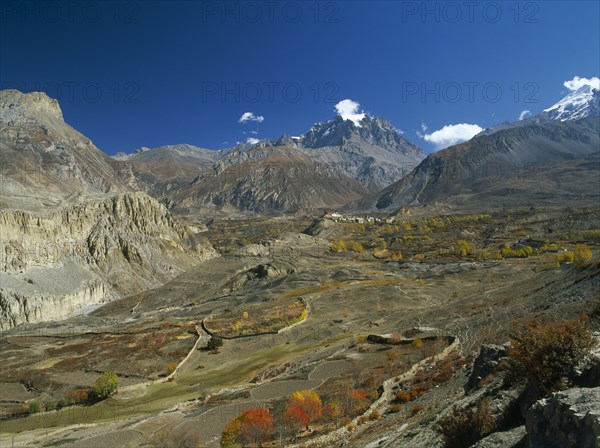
(43, 294)
(104, 249)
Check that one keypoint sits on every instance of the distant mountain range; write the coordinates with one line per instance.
(516, 163)
(336, 162)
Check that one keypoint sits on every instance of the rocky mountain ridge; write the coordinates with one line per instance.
(357, 160)
(489, 163)
(44, 160)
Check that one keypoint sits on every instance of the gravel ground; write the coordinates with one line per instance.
(330, 369)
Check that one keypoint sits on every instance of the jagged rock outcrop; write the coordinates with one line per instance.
(588, 370)
(567, 419)
(112, 247)
(268, 272)
(486, 361)
(322, 226)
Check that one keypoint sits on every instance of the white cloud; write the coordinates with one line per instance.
(348, 110)
(452, 134)
(424, 127)
(252, 140)
(253, 132)
(249, 116)
(524, 114)
(577, 82)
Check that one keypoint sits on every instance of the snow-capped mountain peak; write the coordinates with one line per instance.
(581, 103)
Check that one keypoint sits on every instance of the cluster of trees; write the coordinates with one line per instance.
(581, 254)
(524, 252)
(441, 222)
(350, 245)
(253, 427)
(256, 426)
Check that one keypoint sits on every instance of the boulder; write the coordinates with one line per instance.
(487, 360)
(567, 419)
(514, 438)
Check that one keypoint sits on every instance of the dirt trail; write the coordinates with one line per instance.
(181, 367)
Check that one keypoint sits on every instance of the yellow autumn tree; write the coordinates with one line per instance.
(582, 253)
(462, 248)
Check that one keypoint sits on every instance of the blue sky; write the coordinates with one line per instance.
(150, 73)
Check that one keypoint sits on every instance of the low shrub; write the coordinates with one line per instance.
(394, 408)
(416, 409)
(462, 248)
(338, 246)
(546, 354)
(463, 427)
(568, 257)
(171, 367)
(78, 396)
(214, 343)
(355, 246)
(374, 415)
(403, 396)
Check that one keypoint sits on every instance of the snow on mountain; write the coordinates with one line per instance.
(581, 103)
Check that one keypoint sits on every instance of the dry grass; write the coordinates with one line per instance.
(266, 317)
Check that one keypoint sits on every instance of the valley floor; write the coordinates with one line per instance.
(295, 315)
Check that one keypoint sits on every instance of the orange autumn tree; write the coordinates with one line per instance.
(358, 400)
(295, 418)
(252, 428)
(309, 401)
(332, 411)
